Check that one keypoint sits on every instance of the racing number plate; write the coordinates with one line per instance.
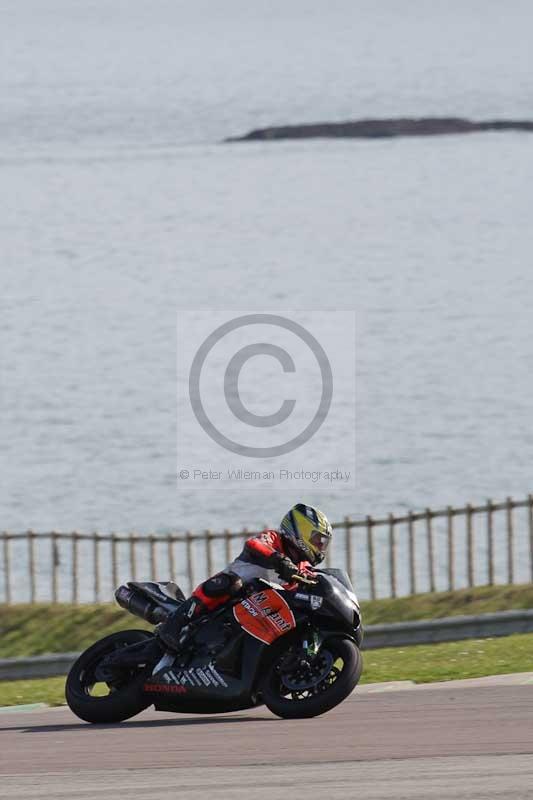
(264, 615)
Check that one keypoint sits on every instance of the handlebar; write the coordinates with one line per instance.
(299, 578)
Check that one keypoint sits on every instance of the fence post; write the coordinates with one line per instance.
(490, 542)
(348, 545)
(245, 536)
(190, 563)
(55, 563)
(449, 519)
(153, 564)
(208, 552)
(133, 560)
(469, 545)
(74, 567)
(431, 550)
(530, 521)
(412, 561)
(31, 564)
(510, 540)
(171, 564)
(7, 576)
(114, 570)
(392, 557)
(96, 566)
(227, 545)
(371, 565)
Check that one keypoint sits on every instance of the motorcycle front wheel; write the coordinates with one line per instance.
(95, 701)
(297, 692)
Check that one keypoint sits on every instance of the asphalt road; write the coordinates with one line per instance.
(453, 741)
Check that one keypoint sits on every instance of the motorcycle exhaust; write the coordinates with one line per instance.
(137, 603)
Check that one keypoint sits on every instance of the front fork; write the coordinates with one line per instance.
(304, 655)
(311, 642)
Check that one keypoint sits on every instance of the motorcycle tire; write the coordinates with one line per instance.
(123, 701)
(273, 691)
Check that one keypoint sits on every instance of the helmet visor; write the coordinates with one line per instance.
(319, 540)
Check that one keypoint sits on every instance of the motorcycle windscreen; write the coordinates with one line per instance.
(265, 616)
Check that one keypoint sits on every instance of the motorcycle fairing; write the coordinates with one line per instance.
(265, 615)
(184, 678)
(224, 673)
(203, 686)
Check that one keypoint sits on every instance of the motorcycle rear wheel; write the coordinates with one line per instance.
(124, 699)
(331, 689)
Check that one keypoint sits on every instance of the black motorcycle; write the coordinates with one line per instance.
(294, 650)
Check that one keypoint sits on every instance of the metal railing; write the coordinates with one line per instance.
(390, 556)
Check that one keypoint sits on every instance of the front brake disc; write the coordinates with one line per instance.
(310, 674)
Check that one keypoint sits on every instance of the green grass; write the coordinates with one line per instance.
(30, 630)
(38, 690)
(480, 600)
(472, 658)
(420, 663)
(27, 630)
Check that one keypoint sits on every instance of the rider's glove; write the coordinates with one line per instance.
(285, 568)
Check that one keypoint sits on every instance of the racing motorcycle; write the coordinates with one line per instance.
(295, 650)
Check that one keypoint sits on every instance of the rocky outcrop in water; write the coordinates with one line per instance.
(383, 128)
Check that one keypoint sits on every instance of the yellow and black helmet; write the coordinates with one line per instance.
(307, 533)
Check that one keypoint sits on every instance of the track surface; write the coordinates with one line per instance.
(451, 741)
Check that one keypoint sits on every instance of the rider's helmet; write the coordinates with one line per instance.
(306, 533)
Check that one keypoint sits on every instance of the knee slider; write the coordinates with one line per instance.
(222, 583)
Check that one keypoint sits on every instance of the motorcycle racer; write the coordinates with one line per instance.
(300, 544)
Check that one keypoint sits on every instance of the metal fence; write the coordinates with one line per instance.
(395, 555)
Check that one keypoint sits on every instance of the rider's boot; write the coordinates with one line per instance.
(173, 631)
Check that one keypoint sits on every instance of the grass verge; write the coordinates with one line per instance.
(31, 630)
(478, 600)
(471, 658)
(38, 690)
(27, 630)
(421, 663)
